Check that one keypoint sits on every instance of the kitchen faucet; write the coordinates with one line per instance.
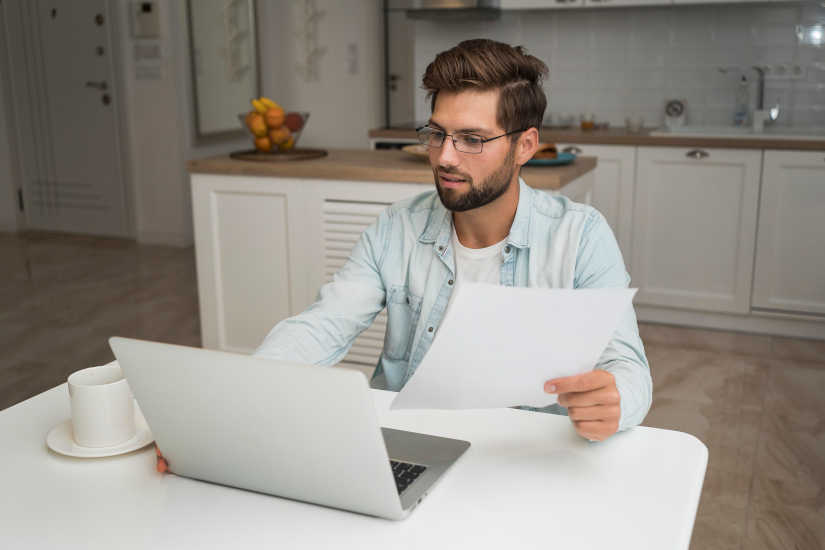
(761, 115)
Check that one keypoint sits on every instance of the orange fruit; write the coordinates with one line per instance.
(279, 135)
(263, 144)
(274, 117)
(255, 123)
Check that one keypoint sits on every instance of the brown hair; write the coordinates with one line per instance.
(483, 64)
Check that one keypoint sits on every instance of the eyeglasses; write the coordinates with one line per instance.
(462, 141)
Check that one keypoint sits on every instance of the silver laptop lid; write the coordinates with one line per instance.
(279, 428)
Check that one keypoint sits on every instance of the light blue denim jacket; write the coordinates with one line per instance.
(405, 262)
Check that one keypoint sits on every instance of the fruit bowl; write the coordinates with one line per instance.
(273, 129)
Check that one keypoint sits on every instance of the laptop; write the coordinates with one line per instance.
(301, 432)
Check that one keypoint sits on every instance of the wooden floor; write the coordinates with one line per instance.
(757, 402)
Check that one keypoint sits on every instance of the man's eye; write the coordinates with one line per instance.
(470, 139)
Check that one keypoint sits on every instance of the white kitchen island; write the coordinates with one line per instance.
(269, 234)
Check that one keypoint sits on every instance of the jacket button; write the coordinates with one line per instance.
(441, 249)
(430, 329)
(450, 282)
(507, 249)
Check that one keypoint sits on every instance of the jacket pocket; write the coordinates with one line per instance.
(403, 310)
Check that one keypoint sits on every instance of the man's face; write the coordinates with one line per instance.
(464, 180)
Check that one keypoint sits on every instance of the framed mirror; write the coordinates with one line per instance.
(224, 53)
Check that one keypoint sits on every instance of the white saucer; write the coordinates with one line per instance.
(60, 440)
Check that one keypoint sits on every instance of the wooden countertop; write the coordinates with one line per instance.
(380, 166)
(620, 136)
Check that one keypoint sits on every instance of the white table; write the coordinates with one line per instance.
(528, 481)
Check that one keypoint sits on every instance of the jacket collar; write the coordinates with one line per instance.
(438, 228)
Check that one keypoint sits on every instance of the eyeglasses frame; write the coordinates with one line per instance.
(451, 136)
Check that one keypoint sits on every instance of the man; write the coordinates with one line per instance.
(481, 224)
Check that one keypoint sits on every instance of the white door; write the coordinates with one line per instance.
(694, 227)
(72, 173)
(790, 255)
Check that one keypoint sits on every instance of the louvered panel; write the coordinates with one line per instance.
(342, 225)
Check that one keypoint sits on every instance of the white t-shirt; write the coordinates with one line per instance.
(476, 265)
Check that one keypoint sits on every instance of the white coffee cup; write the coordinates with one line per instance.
(102, 406)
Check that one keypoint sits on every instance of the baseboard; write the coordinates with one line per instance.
(795, 328)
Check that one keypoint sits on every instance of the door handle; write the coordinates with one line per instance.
(97, 85)
(572, 149)
(697, 154)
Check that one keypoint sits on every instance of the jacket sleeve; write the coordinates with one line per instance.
(324, 332)
(599, 264)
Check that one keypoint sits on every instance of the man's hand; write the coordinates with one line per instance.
(161, 466)
(592, 401)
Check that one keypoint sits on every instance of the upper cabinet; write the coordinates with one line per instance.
(790, 254)
(694, 225)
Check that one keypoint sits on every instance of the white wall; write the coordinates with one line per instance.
(159, 113)
(8, 183)
(628, 61)
(343, 106)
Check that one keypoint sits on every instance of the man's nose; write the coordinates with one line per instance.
(447, 154)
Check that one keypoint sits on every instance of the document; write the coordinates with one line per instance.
(498, 345)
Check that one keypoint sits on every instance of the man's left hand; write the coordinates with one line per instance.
(592, 401)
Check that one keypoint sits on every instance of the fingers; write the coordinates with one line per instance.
(602, 396)
(599, 412)
(596, 430)
(161, 465)
(588, 381)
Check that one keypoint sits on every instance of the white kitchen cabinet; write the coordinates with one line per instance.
(265, 246)
(789, 273)
(243, 229)
(615, 178)
(694, 225)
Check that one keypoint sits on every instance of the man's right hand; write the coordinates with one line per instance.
(162, 466)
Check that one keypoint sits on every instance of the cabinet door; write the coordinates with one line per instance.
(615, 178)
(242, 228)
(694, 225)
(790, 252)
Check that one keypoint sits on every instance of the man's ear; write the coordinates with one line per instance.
(528, 144)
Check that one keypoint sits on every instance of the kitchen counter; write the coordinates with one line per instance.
(376, 166)
(621, 136)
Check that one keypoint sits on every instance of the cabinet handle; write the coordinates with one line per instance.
(572, 149)
(697, 154)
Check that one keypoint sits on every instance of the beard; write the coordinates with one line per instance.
(489, 190)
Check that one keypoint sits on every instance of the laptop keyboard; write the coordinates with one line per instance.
(405, 473)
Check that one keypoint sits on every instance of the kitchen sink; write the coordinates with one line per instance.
(770, 132)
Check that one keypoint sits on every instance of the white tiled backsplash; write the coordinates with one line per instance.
(628, 61)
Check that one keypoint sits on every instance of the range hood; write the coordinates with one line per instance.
(448, 9)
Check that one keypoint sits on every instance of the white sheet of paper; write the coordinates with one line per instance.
(498, 345)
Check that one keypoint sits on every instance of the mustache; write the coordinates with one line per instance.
(448, 172)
